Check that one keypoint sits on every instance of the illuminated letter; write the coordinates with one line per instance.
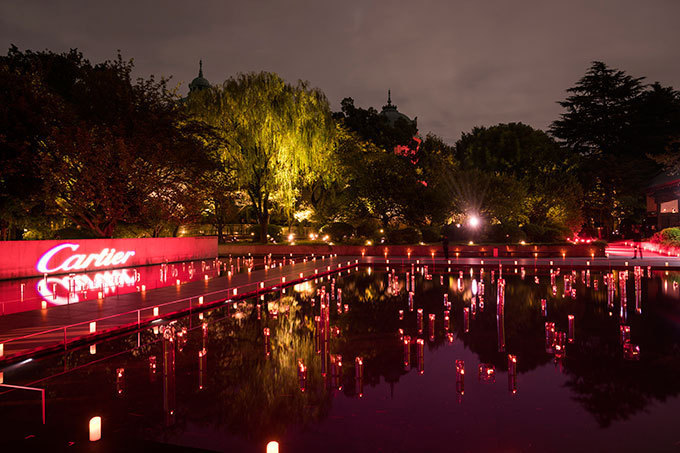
(102, 255)
(107, 261)
(127, 257)
(118, 258)
(74, 262)
(45, 259)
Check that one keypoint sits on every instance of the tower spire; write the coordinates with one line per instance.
(200, 68)
(389, 97)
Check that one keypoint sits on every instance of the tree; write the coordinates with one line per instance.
(616, 126)
(658, 113)
(28, 112)
(518, 177)
(112, 150)
(277, 136)
(374, 127)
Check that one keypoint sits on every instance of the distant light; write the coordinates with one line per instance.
(273, 447)
(473, 221)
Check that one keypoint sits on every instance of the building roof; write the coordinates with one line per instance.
(199, 83)
(662, 180)
(390, 112)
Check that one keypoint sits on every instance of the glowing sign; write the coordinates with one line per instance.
(79, 262)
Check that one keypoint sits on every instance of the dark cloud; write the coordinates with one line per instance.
(454, 64)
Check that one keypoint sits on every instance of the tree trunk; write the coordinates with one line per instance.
(220, 233)
(263, 219)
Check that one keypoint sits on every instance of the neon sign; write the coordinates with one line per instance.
(79, 262)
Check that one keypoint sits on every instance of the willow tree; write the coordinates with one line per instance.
(276, 136)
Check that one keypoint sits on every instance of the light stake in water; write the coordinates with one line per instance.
(460, 377)
(512, 373)
(407, 352)
(120, 374)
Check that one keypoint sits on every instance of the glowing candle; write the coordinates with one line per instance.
(93, 327)
(420, 355)
(359, 367)
(512, 364)
(95, 428)
(273, 447)
(93, 349)
(155, 311)
(571, 328)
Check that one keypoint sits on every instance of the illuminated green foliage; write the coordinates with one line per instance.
(275, 136)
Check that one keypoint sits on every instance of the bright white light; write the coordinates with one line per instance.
(474, 221)
(291, 236)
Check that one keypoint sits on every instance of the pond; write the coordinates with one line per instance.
(381, 360)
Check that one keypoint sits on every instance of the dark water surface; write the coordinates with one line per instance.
(216, 383)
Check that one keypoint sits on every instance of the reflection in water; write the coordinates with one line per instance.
(275, 368)
(51, 290)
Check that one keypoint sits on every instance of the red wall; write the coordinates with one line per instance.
(528, 250)
(20, 258)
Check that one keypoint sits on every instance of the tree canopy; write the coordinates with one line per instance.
(618, 128)
(276, 136)
(103, 149)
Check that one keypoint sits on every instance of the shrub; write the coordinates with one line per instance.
(408, 235)
(369, 228)
(669, 237)
(431, 233)
(505, 233)
(338, 231)
(544, 233)
(274, 232)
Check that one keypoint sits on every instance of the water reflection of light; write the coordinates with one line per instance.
(304, 288)
(71, 285)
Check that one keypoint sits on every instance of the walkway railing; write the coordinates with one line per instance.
(92, 328)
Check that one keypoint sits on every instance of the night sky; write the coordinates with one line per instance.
(454, 64)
